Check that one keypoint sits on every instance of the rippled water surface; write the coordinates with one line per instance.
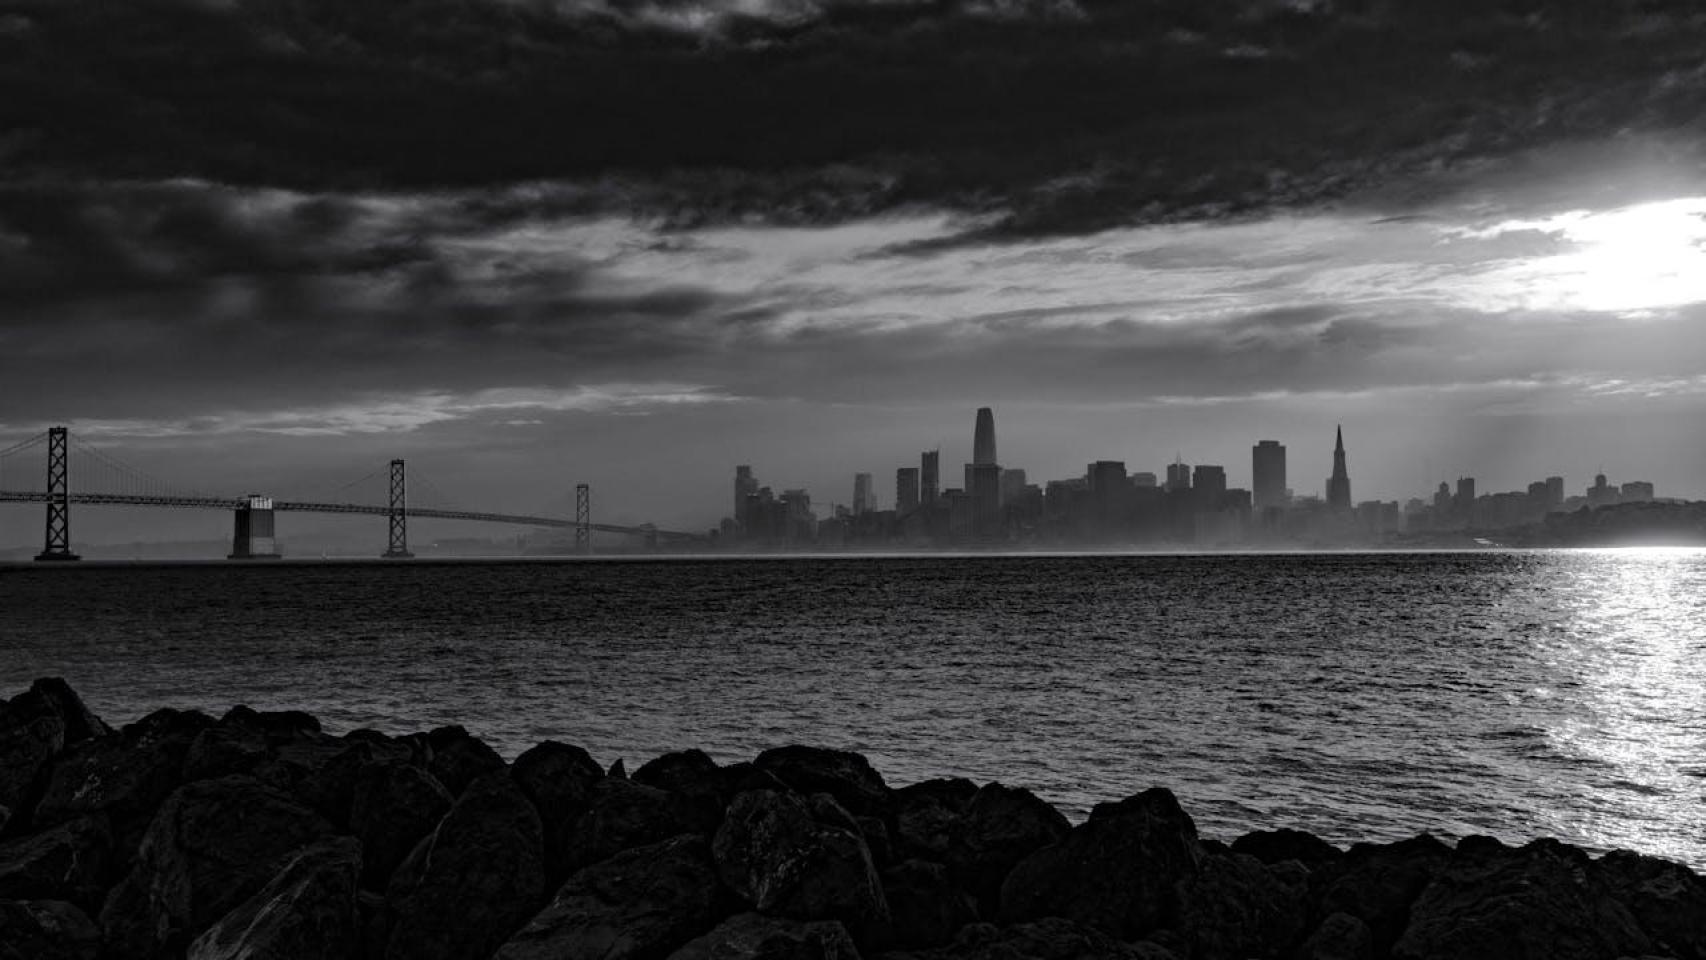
(1355, 695)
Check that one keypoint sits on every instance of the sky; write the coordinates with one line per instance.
(266, 245)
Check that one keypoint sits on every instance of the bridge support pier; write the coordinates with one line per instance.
(397, 515)
(252, 531)
(583, 519)
(56, 545)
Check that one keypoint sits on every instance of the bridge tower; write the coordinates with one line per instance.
(57, 546)
(398, 515)
(583, 518)
(252, 530)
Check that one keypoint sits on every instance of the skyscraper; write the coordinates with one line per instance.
(1178, 475)
(1267, 469)
(864, 497)
(1339, 484)
(1209, 482)
(746, 485)
(983, 440)
(929, 478)
(906, 489)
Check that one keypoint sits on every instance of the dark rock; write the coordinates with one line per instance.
(638, 905)
(222, 751)
(926, 906)
(46, 930)
(212, 845)
(69, 862)
(1001, 826)
(875, 830)
(1236, 908)
(623, 815)
(306, 912)
(738, 778)
(1118, 872)
(1377, 883)
(32, 732)
(690, 772)
(695, 777)
(558, 778)
(476, 879)
(126, 775)
(617, 770)
(1667, 899)
(788, 860)
(846, 776)
(1049, 939)
(926, 814)
(275, 726)
(323, 771)
(80, 722)
(392, 806)
(1339, 937)
(459, 757)
(1542, 900)
(1275, 846)
(374, 915)
(751, 936)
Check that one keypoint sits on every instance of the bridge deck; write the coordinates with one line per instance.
(301, 506)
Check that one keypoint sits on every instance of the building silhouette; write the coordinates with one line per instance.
(746, 485)
(929, 477)
(864, 497)
(983, 439)
(1209, 482)
(1267, 470)
(1178, 475)
(1339, 484)
(906, 489)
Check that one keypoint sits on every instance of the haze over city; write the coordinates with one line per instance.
(1511, 290)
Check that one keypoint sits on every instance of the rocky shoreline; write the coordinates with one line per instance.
(258, 836)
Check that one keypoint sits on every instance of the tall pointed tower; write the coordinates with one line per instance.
(983, 440)
(1339, 484)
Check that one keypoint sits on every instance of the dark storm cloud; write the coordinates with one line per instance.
(1057, 116)
(174, 299)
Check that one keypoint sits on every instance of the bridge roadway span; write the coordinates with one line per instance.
(234, 503)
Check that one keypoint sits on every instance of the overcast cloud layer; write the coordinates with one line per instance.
(639, 243)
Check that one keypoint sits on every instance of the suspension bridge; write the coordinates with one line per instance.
(119, 484)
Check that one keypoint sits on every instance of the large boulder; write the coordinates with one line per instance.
(1118, 872)
(392, 806)
(1235, 908)
(1339, 937)
(846, 776)
(322, 771)
(126, 775)
(1668, 899)
(32, 732)
(1377, 884)
(477, 878)
(693, 776)
(213, 844)
(624, 814)
(68, 862)
(926, 815)
(558, 778)
(46, 930)
(638, 905)
(1543, 900)
(791, 857)
(752, 936)
(926, 907)
(1277, 846)
(1001, 826)
(306, 912)
(459, 758)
